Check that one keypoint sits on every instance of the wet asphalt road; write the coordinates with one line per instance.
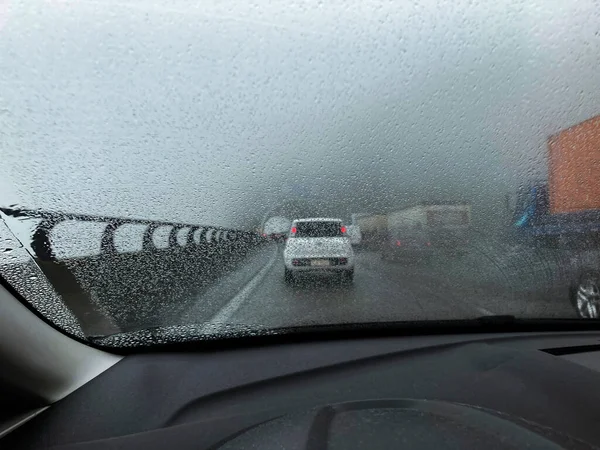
(448, 287)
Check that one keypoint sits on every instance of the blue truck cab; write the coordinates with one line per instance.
(533, 221)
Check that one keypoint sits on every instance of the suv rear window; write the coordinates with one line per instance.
(318, 229)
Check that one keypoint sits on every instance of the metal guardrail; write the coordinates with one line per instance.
(118, 291)
(42, 247)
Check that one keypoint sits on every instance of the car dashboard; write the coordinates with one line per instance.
(502, 390)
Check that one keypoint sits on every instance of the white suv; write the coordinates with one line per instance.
(318, 246)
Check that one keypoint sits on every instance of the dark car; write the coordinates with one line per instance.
(410, 243)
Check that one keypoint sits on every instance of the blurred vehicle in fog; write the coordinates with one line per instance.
(373, 230)
(567, 205)
(407, 241)
(354, 234)
(276, 228)
(318, 247)
(448, 224)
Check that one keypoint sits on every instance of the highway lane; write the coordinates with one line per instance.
(445, 288)
(489, 278)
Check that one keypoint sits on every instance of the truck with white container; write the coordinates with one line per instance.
(276, 228)
(372, 228)
(354, 234)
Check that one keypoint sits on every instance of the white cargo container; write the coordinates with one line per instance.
(455, 216)
(372, 224)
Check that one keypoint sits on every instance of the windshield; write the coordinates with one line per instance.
(155, 155)
(317, 229)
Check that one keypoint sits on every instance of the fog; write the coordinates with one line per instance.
(218, 112)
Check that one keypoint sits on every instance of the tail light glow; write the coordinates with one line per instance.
(343, 229)
(398, 243)
(294, 230)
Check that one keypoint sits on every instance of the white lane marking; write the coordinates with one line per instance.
(222, 317)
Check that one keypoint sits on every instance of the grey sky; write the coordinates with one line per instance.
(213, 112)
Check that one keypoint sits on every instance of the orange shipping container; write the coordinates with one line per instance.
(574, 168)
